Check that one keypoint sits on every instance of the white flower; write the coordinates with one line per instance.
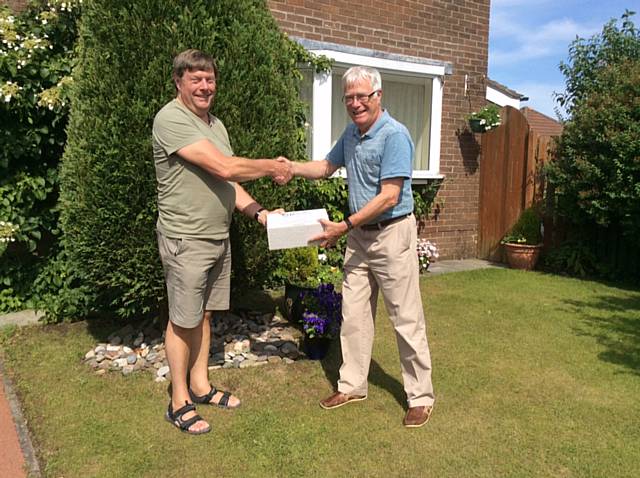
(7, 230)
(322, 257)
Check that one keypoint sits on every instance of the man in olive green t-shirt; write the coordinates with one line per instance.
(196, 173)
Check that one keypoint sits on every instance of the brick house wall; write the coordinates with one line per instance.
(16, 5)
(454, 31)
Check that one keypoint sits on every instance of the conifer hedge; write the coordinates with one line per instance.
(122, 79)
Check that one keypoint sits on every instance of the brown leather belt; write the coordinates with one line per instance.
(382, 224)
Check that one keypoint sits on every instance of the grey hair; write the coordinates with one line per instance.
(357, 73)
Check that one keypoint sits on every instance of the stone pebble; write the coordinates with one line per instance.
(243, 340)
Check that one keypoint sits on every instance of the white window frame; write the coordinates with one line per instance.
(322, 94)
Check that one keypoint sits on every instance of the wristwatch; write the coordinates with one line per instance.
(348, 223)
(257, 214)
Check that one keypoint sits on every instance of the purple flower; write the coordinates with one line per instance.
(322, 314)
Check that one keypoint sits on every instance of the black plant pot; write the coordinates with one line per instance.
(293, 301)
(316, 348)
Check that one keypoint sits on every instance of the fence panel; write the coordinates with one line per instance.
(503, 175)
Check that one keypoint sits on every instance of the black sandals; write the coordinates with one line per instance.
(206, 399)
(175, 418)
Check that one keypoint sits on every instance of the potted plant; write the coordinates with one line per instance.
(302, 270)
(427, 253)
(298, 269)
(484, 119)
(523, 243)
(321, 319)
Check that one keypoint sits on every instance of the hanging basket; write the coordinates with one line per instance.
(476, 127)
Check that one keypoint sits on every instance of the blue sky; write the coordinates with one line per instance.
(529, 38)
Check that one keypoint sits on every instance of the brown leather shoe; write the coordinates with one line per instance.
(338, 399)
(417, 416)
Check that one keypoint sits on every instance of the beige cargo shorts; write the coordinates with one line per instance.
(198, 277)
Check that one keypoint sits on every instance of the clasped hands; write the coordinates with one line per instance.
(284, 171)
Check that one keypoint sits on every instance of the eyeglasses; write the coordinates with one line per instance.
(364, 99)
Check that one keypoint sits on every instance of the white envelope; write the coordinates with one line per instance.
(294, 228)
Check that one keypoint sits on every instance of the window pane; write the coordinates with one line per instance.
(408, 100)
(408, 103)
(306, 95)
(339, 118)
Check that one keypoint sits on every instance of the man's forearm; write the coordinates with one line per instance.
(314, 169)
(245, 203)
(232, 168)
(380, 203)
(243, 169)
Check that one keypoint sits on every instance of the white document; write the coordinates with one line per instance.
(294, 228)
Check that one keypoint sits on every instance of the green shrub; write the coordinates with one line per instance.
(574, 258)
(526, 230)
(36, 57)
(597, 173)
(596, 176)
(300, 267)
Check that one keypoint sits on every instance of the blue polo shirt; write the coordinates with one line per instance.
(384, 152)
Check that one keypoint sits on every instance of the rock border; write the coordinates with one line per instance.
(238, 340)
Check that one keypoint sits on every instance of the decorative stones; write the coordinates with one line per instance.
(243, 340)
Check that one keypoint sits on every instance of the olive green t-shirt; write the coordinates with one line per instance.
(191, 202)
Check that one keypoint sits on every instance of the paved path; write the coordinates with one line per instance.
(12, 462)
(441, 267)
(17, 457)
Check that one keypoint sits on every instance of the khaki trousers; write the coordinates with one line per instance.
(384, 260)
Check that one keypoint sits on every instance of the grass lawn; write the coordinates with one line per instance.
(535, 376)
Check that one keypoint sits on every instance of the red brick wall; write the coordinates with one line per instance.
(16, 5)
(455, 31)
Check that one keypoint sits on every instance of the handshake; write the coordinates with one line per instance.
(283, 171)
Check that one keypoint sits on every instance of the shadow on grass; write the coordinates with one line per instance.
(101, 327)
(377, 375)
(615, 324)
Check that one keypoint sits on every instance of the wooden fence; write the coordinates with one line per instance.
(510, 178)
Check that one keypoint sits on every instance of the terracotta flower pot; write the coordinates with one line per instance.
(522, 256)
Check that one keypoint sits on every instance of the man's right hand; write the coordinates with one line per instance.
(283, 171)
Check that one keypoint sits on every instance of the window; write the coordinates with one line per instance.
(412, 93)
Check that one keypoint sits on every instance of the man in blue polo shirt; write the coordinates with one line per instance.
(377, 152)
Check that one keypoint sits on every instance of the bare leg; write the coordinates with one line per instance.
(199, 364)
(179, 345)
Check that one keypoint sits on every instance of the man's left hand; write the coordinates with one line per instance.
(263, 217)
